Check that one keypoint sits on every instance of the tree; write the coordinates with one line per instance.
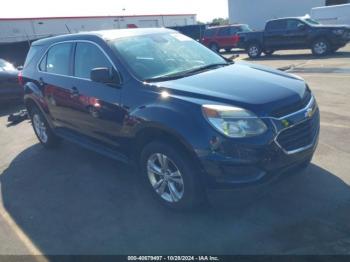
(220, 21)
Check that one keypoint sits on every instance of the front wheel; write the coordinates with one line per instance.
(171, 177)
(254, 50)
(320, 47)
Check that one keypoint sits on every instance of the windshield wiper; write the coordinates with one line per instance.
(186, 73)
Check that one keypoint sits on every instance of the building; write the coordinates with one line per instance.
(16, 34)
(14, 30)
(256, 12)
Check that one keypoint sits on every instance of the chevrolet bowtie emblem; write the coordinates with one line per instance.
(285, 123)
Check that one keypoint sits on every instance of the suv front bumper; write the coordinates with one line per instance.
(258, 160)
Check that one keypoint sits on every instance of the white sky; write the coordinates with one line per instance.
(206, 10)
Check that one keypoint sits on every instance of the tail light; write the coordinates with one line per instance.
(20, 78)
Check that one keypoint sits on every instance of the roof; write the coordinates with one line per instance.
(223, 26)
(284, 18)
(104, 34)
(119, 33)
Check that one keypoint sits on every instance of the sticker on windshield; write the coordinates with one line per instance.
(181, 37)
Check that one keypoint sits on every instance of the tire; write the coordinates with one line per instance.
(269, 52)
(254, 50)
(320, 47)
(171, 177)
(214, 47)
(42, 129)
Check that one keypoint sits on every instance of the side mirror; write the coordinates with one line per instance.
(104, 75)
(301, 27)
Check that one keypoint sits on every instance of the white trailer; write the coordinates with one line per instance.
(255, 13)
(14, 30)
(334, 15)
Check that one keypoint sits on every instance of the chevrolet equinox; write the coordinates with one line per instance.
(188, 117)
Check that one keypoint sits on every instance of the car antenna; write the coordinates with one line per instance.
(68, 28)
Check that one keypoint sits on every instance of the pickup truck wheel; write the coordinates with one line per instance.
(42, 129)
(171, 177)
(214, 47)
(320, 47)
(254, 50)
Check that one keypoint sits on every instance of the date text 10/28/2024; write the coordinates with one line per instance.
(173, 258)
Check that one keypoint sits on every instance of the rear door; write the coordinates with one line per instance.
(275, 35)
(55, 71)
(224, 37)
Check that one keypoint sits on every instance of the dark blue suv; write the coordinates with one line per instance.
(190, 118)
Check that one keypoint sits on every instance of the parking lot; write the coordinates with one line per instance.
(73, 201)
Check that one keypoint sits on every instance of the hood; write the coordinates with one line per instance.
(256, 88)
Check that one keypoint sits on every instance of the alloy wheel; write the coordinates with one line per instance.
(165, 177)
(254, 51)
(40, 128)
(320, 48)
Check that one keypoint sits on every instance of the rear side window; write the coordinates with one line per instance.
(234, 30)
(87, 57)
(276, 25)
(32, 52)
(57, 59)
(209, 33)
(226, 31)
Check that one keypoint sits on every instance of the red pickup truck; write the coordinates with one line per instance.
(223, 37)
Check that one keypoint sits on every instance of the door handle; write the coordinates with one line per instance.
(41, 81)
(74, 92)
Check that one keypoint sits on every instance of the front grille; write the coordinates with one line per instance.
(293, 107)
(300, 135)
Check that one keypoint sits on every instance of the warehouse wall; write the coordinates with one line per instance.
(257, 12)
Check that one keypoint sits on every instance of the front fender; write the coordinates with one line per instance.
(183, 121)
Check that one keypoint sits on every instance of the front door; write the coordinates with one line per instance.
(297, 32)
(98, 113)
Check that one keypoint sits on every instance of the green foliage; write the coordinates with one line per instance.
(220, 21)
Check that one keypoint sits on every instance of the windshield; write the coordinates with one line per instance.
(160, 55)
(311, 21)
(245, 28)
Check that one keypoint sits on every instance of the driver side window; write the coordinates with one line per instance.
(293, 24)
(87, 57)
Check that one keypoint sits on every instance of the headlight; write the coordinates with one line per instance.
(338, 31)
(233, 121)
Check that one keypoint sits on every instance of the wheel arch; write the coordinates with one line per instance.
(319, 37)
(149, 134)
(30, 102)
